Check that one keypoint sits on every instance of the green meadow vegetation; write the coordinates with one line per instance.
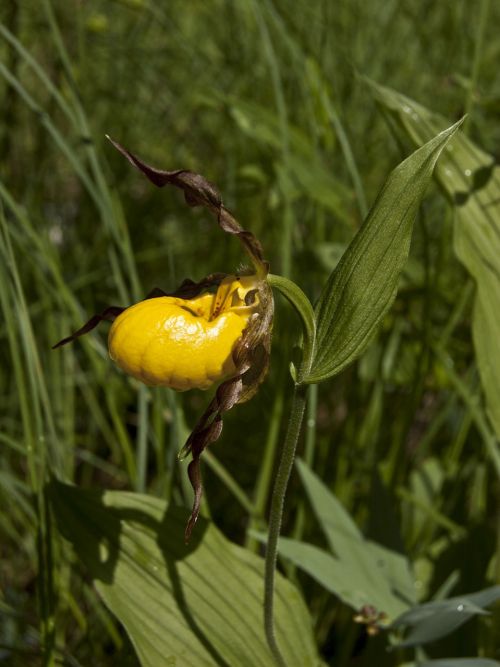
(358, 142)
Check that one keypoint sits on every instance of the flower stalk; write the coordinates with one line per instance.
(276, 514)
(303, 308)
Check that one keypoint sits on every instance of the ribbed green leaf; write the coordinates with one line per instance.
(471, 181)
(188, 605)
(362, 287)
(333, 518)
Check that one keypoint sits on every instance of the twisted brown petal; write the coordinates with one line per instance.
(198, 191)
(109, 313)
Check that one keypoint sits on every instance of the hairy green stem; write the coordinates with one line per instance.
(276, 515)
(309, 448)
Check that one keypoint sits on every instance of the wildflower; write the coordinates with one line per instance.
(184, 343)
(216, 330)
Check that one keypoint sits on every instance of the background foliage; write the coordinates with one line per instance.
(267, 99)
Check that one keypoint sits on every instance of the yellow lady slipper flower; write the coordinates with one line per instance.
(183, 343)
(214, 331)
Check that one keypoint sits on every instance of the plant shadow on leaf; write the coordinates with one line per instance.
(101, 555)
(202, 602)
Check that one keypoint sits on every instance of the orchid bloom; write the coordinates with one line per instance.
(215, 331)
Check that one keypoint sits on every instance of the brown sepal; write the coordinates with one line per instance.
(109, 313)
(188, 289)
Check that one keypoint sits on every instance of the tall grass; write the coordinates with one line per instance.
(266, 100)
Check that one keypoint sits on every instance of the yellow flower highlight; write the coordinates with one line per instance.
(184, 343)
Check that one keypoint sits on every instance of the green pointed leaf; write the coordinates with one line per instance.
(433, 620)
(358, 571)
(192, 605)
(363, 286)
(357, 581)
(370, 560)
(471, 181)
(335, 521)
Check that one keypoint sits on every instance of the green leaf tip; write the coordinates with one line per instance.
(362, 287)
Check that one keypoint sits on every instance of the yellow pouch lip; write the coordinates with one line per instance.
(192, 347)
